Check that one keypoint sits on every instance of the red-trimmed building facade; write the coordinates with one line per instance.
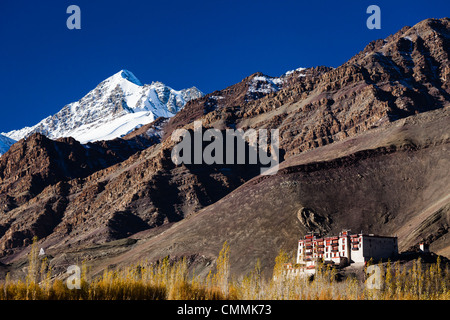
(345, 249)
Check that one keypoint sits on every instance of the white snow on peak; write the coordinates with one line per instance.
(264, 84)
(115, 107)
(292, 71)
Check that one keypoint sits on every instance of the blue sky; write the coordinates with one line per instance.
(207, 44)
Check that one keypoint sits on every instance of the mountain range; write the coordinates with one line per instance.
(364, 146)
(120, 104)
(115, 107)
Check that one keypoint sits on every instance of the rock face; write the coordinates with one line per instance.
(36, 176)
(365, 147)
(249, 89)
(312, 221)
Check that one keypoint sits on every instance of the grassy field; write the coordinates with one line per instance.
(171, 281)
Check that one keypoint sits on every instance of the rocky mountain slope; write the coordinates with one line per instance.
(390, 181)
(365, 146)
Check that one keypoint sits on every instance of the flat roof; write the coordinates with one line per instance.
(309, 237)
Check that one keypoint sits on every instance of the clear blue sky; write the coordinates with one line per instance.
(208, 44)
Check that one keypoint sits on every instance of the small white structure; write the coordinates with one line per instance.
(341, 250)
(424, 247)
(42, 252)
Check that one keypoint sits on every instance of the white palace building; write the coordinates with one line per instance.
(341, 250)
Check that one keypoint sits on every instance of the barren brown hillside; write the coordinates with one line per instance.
(393, 181)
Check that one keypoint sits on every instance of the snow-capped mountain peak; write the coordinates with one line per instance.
(115, 107)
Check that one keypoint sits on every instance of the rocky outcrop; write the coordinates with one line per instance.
(312, 221)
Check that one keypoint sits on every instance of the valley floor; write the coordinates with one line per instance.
(171, 281)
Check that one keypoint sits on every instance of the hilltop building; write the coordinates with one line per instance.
(341, 250)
